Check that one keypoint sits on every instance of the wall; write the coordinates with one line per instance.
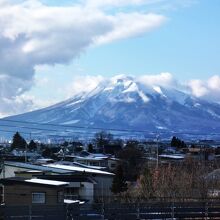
(22, 194)
(102, 189)
(86, 191)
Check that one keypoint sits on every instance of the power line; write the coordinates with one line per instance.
(78, 127)
(142, 132)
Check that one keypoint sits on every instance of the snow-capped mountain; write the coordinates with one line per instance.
(122, 103)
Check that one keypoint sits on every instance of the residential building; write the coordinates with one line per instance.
(21, 191)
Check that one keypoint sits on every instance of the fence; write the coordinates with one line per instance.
(192, 210)
(152, 210)
(36, 212)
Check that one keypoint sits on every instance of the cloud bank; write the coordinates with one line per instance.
(204, 89)
(33, 34)
(207, 89)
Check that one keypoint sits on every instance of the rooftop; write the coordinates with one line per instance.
(78, 169)
(33, 181)
(47, 182)
(172, 156)
(36, 167)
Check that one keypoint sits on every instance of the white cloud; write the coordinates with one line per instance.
(198, 87)
(114, 3)
(82, 84)
(33, 34)
(207, 89)
(121, 3)
(214, 82)
(162, 79)
(137, 23)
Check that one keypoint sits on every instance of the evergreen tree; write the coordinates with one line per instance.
(90, 148)
(118, 183)
(47, 152)
(133, 157)
(176, 142)
(32, 145)
(18, 141)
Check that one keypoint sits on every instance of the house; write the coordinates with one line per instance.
(9, 168)
(22, 191)
(103, 179)
(97, 160)
(95, 185)
(80, 188)
(92, 160)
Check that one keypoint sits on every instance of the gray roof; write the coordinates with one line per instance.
(33, 181)
(37, 167)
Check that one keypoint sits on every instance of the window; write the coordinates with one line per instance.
(38, 197)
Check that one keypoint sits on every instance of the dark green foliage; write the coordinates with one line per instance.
(18, 141)
(32, 145)
(132, 156)
(90, 148)
(47, 152)
(114, 147)
(217, 151)
(78, 149)
(176, 142)
(65, 144)
(118, 183)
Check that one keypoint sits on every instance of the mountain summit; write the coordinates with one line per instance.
(126, 104)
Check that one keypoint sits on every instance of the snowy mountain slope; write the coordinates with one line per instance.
(123, 103)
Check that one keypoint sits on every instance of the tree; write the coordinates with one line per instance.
(47, 152)
(118, 184)
(78, 149)
(65, 144)
(32, 145)
(114, 147)
(18, 141)
(176, 142)
(102, 139)
(133, 159)
(90, 148)
(146, 188)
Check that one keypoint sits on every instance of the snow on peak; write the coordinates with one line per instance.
(144, 97)
(131, 87)
(158, 90)
(121, 79)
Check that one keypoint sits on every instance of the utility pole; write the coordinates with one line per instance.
(157, 165)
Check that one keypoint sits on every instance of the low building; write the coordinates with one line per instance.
(96, 184)
(97, 160)
(102, 188)
(10, 168)
(21, 191)
(80, 188)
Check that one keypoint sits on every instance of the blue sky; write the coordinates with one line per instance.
(49, 46)
(187, 45)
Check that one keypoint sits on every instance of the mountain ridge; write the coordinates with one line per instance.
(123, 103)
